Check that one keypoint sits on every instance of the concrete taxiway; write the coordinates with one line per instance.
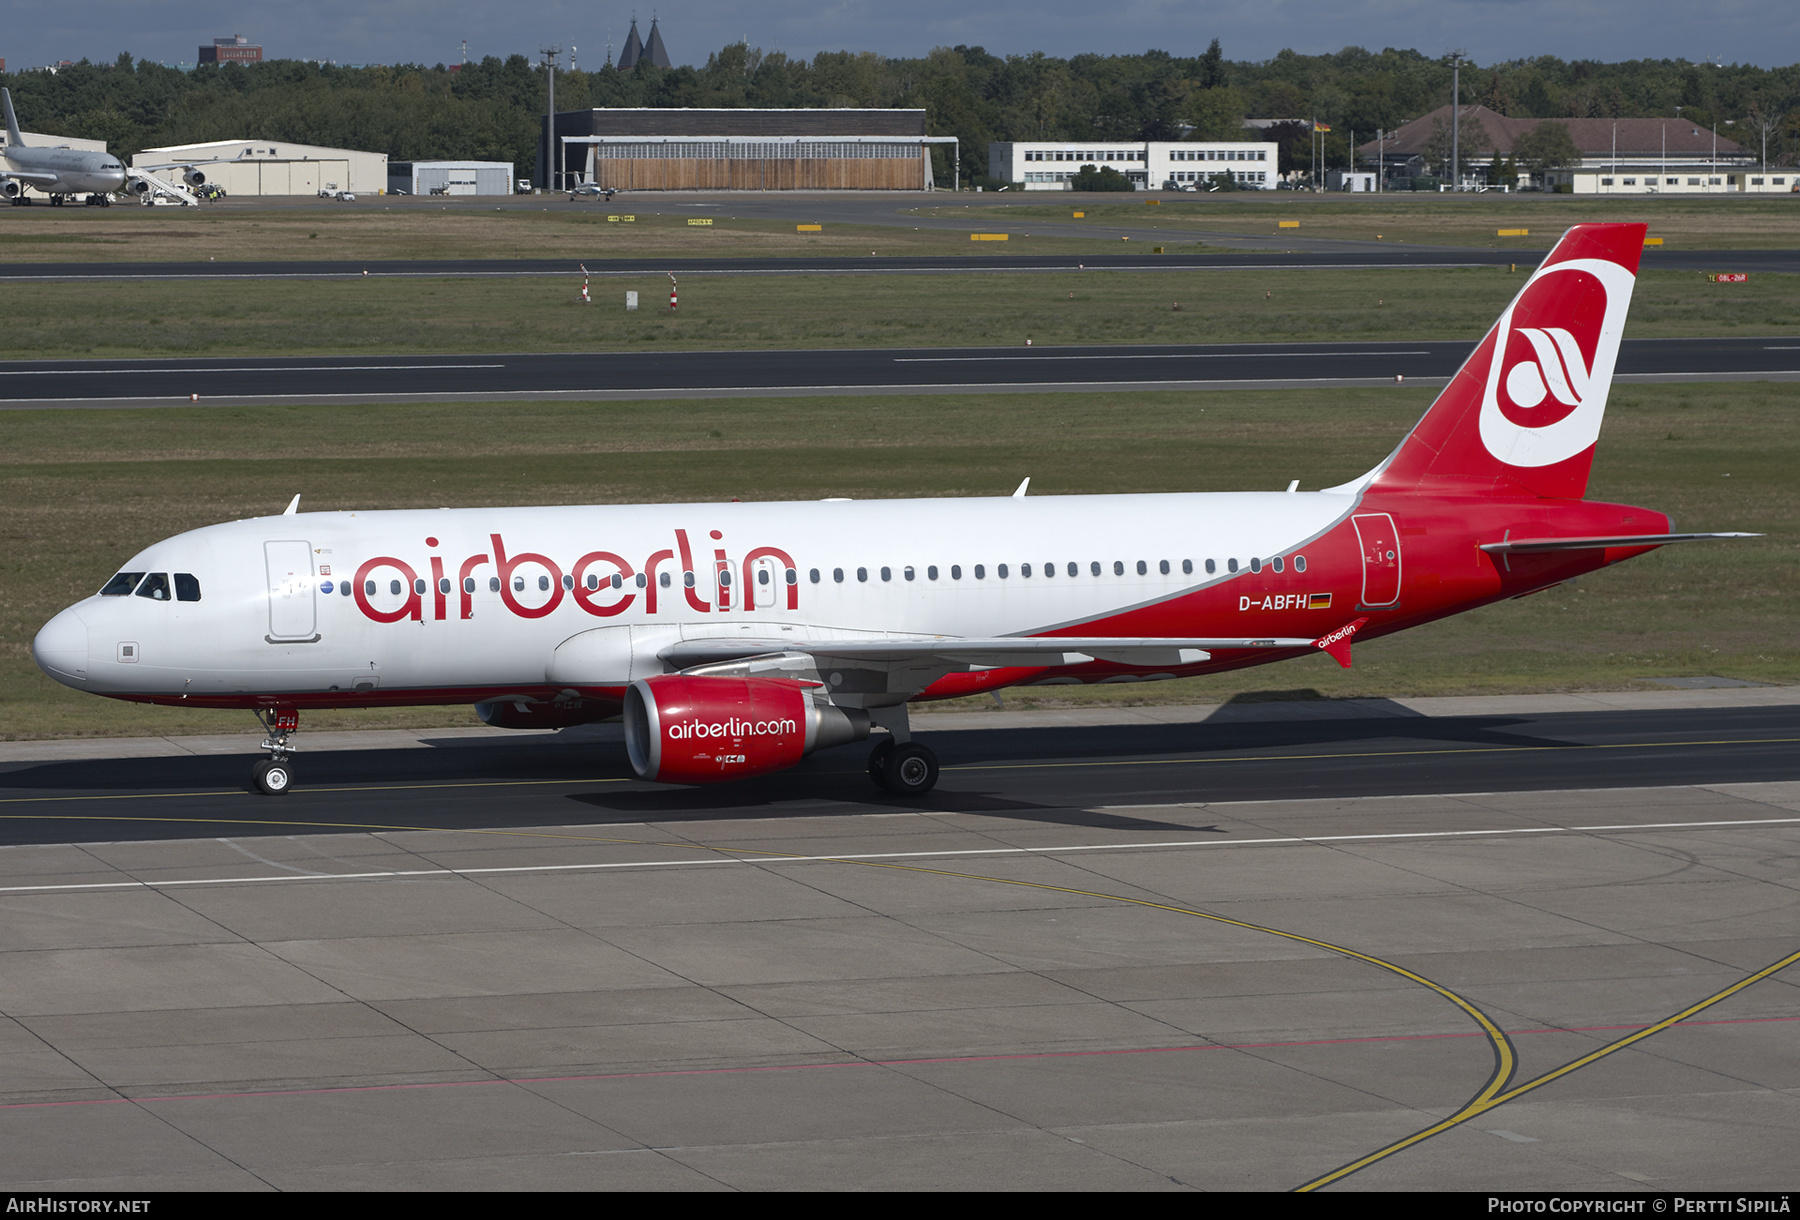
(1131, 975)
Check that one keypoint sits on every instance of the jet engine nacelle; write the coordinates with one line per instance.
(690, 729)
(138, 186)
(193, 177)
(10, 189)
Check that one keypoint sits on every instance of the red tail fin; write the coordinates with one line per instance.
(1522, 415)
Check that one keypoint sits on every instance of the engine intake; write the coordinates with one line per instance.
(10, 189)
(193, 177)
(682, 729)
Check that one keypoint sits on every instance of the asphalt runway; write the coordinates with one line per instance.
(1034, 770)
(169, 382)
(1378, 951)
(1363, 256)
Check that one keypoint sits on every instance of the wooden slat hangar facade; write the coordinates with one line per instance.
(745, 150)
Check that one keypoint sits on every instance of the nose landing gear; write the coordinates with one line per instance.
(274, 775)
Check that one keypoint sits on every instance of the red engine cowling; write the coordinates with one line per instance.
(682, 729)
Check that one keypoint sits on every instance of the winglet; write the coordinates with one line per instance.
(293, 506)
(1337, 643)
(13, 138)
(1020, 494)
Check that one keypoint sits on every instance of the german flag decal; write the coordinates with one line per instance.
(1318, 601)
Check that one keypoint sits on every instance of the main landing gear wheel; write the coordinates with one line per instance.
(878, 761)
(272, 777)
(910, 770)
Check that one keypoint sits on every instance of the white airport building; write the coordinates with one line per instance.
(267, 167)
(1663, 178)
(1151, 165)
(450, 177)
(1634, 156)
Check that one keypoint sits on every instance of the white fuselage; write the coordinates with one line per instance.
(476, 603)
(64, 171)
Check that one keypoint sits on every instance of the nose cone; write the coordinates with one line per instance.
(61, 649)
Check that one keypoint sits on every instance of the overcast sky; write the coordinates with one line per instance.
(38, 32)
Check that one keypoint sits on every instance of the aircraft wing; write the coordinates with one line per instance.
(34, 177)
(1518, 546)
(958, 651)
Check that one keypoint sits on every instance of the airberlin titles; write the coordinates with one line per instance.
(605, 584)
(602, 583)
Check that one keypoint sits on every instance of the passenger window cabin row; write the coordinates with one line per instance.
(1049, 570)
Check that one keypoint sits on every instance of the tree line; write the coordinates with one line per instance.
(492, 110)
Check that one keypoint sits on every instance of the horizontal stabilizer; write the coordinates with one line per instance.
(1520, 546)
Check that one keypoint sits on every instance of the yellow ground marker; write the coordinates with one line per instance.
(1287, 224)
(1653, 241)
(1512, 232)
(699, 220)
(809, 228)
(987, 237)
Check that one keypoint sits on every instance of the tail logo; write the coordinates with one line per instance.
(1559, 370)
(1545, 395)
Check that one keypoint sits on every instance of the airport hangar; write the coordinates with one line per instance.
(267, 167)
(646, 149)
(450, 177)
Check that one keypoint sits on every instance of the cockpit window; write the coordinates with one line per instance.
(187, 587)
(155, 587)
(121, 584)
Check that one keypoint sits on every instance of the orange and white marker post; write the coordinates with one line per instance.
(671, 292)
(585, 298)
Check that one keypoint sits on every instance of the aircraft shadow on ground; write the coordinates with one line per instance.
(1045, 776)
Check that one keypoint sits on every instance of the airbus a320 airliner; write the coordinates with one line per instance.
(735, 639)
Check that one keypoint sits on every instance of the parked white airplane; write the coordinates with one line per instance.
(736, 638)
(58, 172)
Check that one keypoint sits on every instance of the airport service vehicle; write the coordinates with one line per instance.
(60, 173)
(734, 639)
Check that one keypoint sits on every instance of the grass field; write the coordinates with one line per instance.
(1683, 222)
(80, 491)
(299, 317)
(408, 228)
(419, 229)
